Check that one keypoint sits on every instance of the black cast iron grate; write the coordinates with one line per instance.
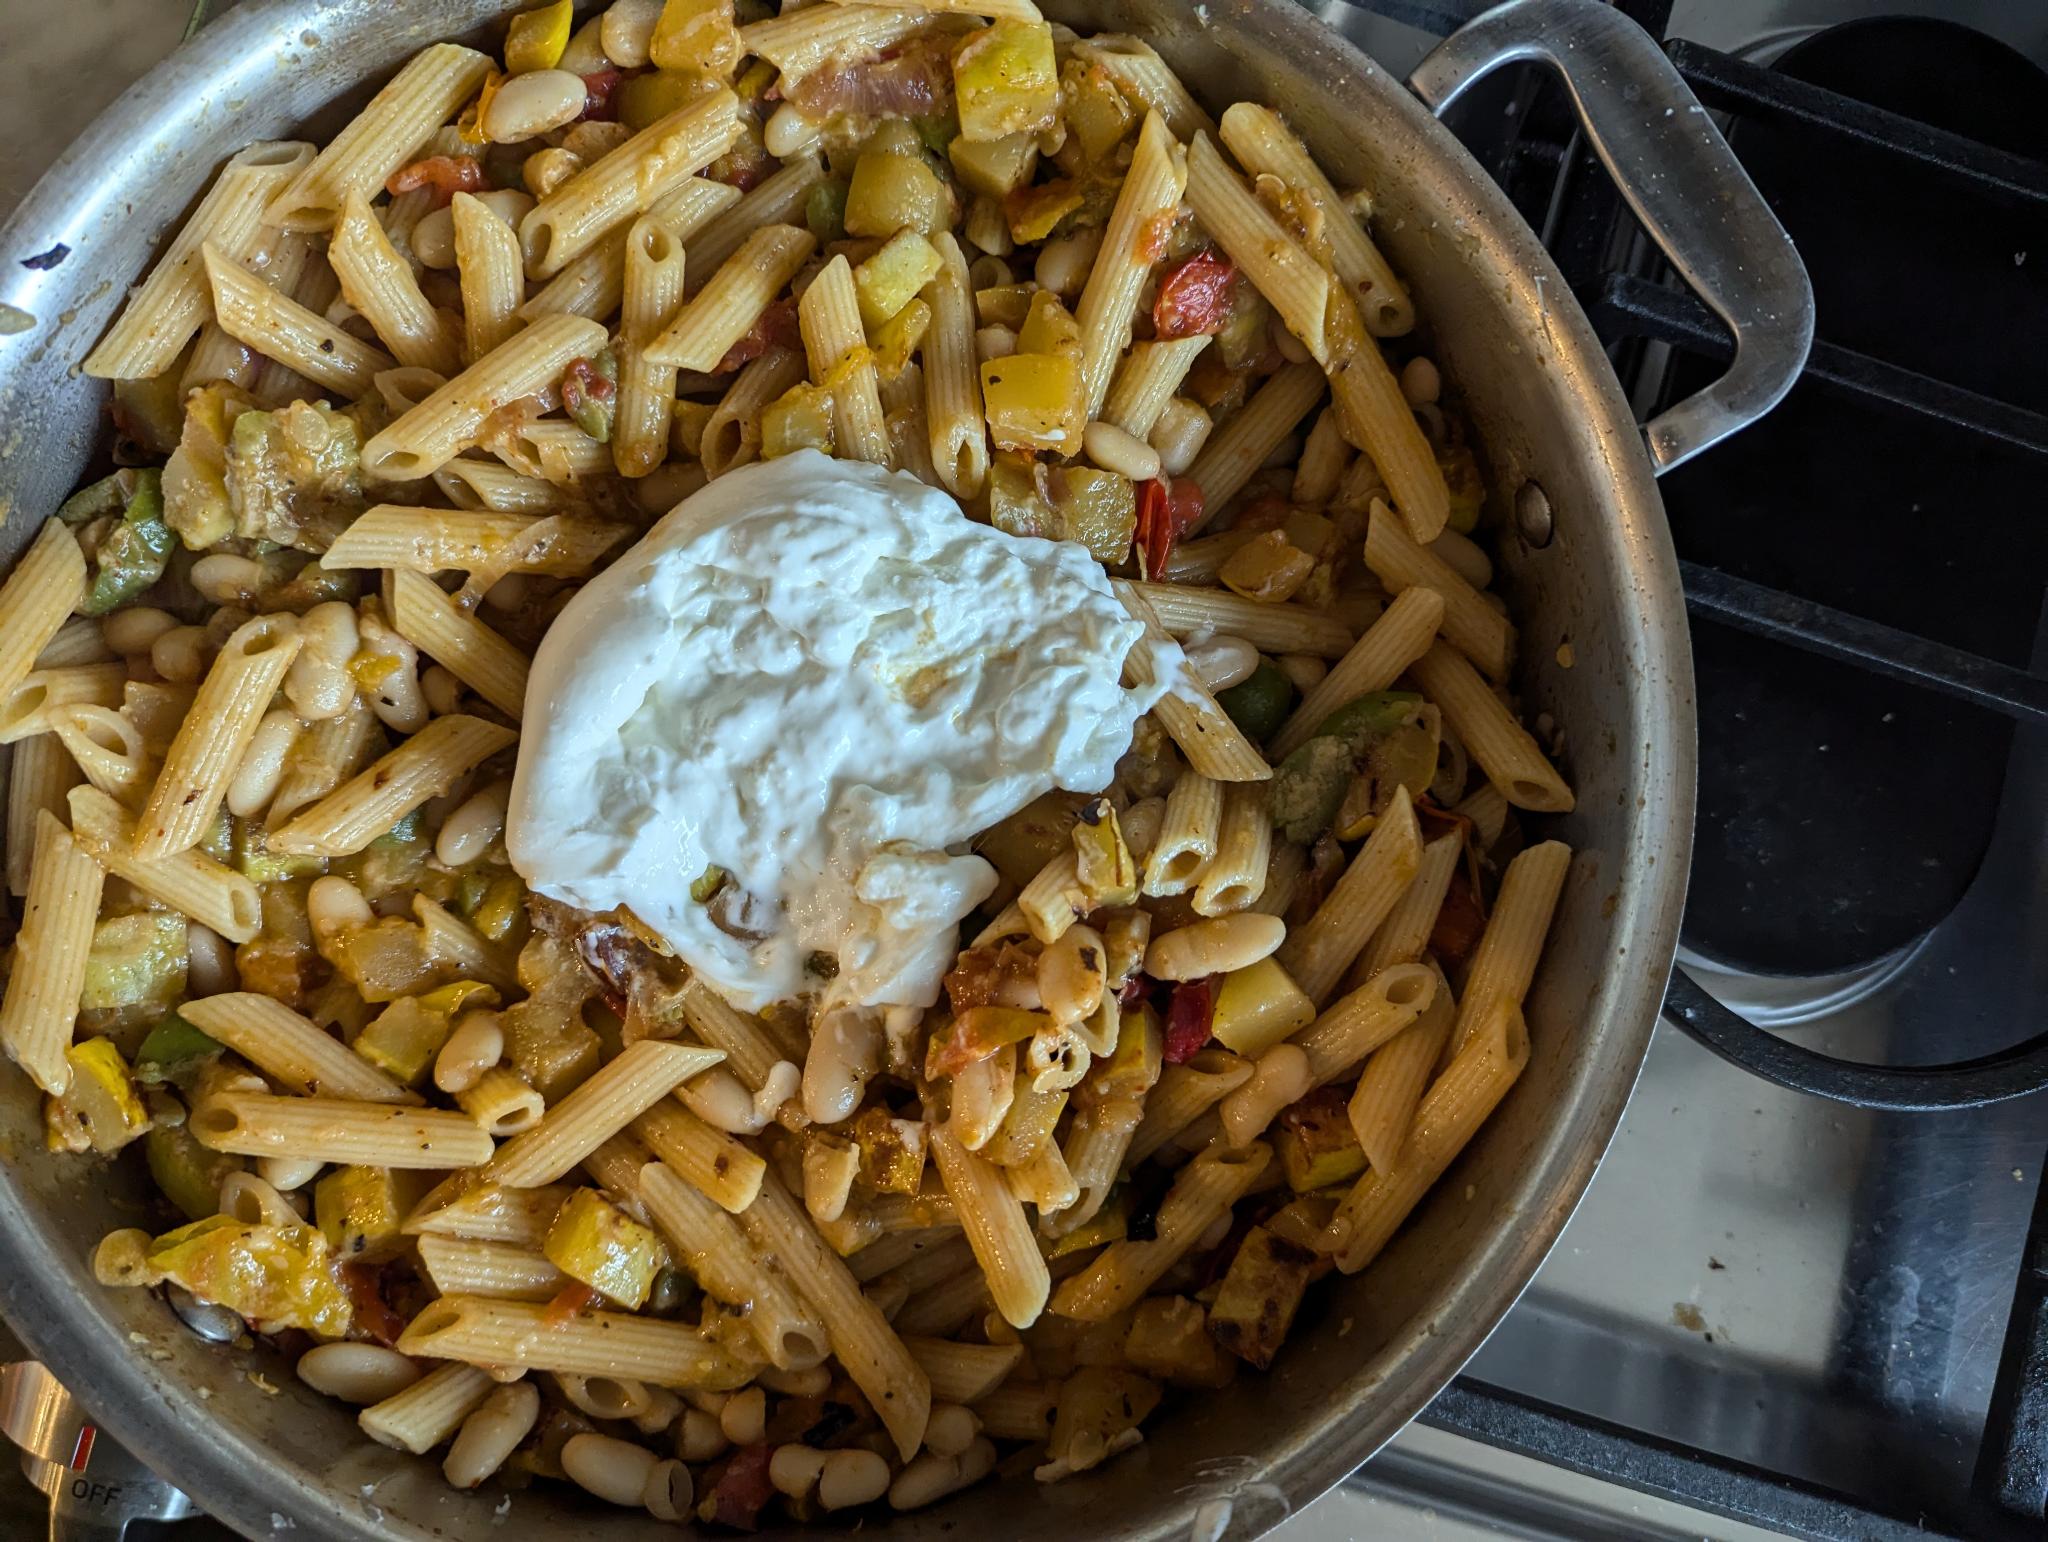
(1559, 187)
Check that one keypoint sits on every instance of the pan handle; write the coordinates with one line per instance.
(1681, 179)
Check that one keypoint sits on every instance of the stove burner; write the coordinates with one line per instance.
(1842, 816)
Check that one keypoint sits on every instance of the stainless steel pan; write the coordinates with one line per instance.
(1586, 558)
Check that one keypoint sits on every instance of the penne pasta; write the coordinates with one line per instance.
(732, 434)
(1469, 624)
(379, 285)
(1213, 744)
(369, 804)
(1236, 876)
(1401, 635)
(522, 1335)
(417, 540)
(1317, 954)
(190, 882)
(1504, 963)
(953, 408)
(342, 1130)
(288, 1049)
(723, 311)
(286, 332)
(47, 584)
(1293, 282)
(1188, 612)
(829, 317)
(32, 706)
(429, 1411)
(622, 1090)
(1248, 439)
(996, 1229)
(1378, 419)
(41, 1006)
(499, 1271)
(1149, 377)
(39, 777)
(1151, 191)
(493, 275)
(425, 616)
(1505, 750)
(647, 389)
(1381, 1109)
(726, 1171)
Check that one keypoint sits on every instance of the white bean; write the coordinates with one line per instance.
(131, 633)
(951, 1429)
(394, 676)
(1181, 431)
(508, 203)
(669, 1491)
(477, 1044)
(744, 1416)
(357, 1373)
(179, 655)
(474, 828)
(442, 690)
(433, 239)
(663, 1408)
(794, 1469)
(698, 1437)
(1215, 946)
(1063, 265)
(723, 1101)
(1281, 1077)
(806, 1381)
(288, 1173)
(546, 170)
(209, 961)
(1141, 824)
(1304, 671)
(788, 132)
(593, 141)
(1465, 556)
(585, 54)
(491, 1434)
(1222, 661)
(255, 780)
(1292, 349)
(527, 106)
(627, 31)
(845, 1051)
(614, 1470)
(227, 579)
(318, 684)
(931, 1477)
(1120, 450)
(1071, 972)
(1421, 384)
(994, 342)
(333, 905)
(852, 1478)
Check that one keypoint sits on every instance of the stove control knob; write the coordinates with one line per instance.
(95, 1487)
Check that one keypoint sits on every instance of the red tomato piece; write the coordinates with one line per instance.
(1458, 923)
(743, 1489)
(775, 325)
(373, 1314)
(1188, 1019)
(569, 1303)
(1195, 296)
(1167, 508)
(598, 88)
(447, 175)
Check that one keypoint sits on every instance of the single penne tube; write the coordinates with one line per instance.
(1098, 1137)
(1504, 963)
(210, 741)
(615, 1167)
(498, 1271)
(647, 389)
(381, 138)
(1451, 1112)
(39, 778)
(1187, 611)
(828, 315)
(292, 1051)
(1185, 1093)
(1356, 1024)
(478, 485)
(1377, 418)
(1487, 811)
(997, 1229)
(749, 1044)
(910, 437)
(952, 379)
(489, 1212)
(1293, 282)
(777, 200)
(46, 586)
(712, 1246)
(1202, 1192)
(379, 285)
(1265, 146)
(163, 314)
(693, 206)
(448, 422)
(1505, 750)
(283, 330)
(40, 1009)
(590, 284)
(78, 640)
(1053, 900)
(964, 1373)
(502, 1102)
(1213, 744)
(1405, 933)
(640, 173)
(726, 1171)
(1008, 10)
(108, 748)
(732, 434)
(190, 882)
(798, 42)
(29, 708)
(1247, 440)
(1381, 1109)
(1109, 300)
(429, 1411)
(1147, 80)
(1283, 879)
(936, 1253)
(1325, 455)
(622, 1089)
(1149, 377)
(343, 1130)
(1188, 834)
(1244, 845)
(1400, 636)
(1019, 1410)
(417, 540)
(729, 304)
(492, 272)
(448, 939)
(1318, 953)
(866, 1346)
(523, 1334)
(327, 751)
(1483, 634)
(424, 615)
(567, 456)
(370, 803)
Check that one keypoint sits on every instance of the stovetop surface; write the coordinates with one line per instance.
(1815, 1290)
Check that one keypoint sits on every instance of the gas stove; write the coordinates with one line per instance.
(1807, 1294)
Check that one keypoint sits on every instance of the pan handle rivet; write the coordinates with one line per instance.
(1532, 515)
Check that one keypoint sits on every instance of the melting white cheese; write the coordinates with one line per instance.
(824, 679)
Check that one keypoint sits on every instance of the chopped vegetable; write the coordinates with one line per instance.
(1258, 1006)
(590, 394)
(1467, 487)
(189, 1175)
(137, 961)
(404, 1038)
(250, 855)
(742, 1489)
(994, 168)
(825, 210)
(1169, 1339)
(1097, 508)
(799, 419)
(360, 1210)
(384, 959)
(1260, 1295)
(1259, 704)
(707, 883)
(1035, 210)
(275, 1276)
(173, 1052)
(1006, 79)
(1098, 114)
(892, 190)
(1459, 923)
(599, 87)
(1268, 567)
(1098, 1415)
(1167, 509)
(1132, 1068)
(150, 413)
(536, 39)
(1308, 787)
(647, 98)
(446, 175)
(897, 339)
(891, 278)
(914, 82)
(696, 35)
(101, 1110)
(1194, 297)
(1189, 1017)
(1108, 875)
(1315, 1142)
(892, 1150)
(977, 1033)
(594, 1241)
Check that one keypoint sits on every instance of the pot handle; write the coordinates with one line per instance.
(1681, 179)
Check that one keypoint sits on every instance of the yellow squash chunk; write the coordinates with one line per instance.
(1031, 401)
(890, 279)
(1108, 875)
(1258, 1006)
(275, 1276)
(537, 39)
(1169, 1339)
(696, 35)
(1260, 1295)
(1006, 79)
(896, 339)
(799, 419)
(1316, 1145)
(890, 191)
(101, 1111)
(994, 167)
(892, 1151)
(136, 961)
(360, 1209)
(593, 1241)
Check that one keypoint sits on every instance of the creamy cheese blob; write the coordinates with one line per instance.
(823, 678)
